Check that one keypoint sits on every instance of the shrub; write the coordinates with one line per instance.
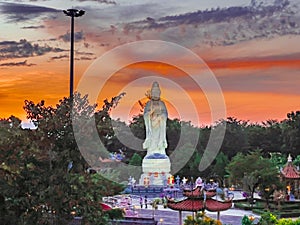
(268, 218)
(288, 222)
(246, 221)
(201, 219)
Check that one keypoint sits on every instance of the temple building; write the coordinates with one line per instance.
(290, 175)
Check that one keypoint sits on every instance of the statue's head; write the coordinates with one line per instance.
(155, 91)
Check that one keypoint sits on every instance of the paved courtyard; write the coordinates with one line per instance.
(170, 217)
(167, 216)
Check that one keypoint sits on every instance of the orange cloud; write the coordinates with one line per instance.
(254, 64)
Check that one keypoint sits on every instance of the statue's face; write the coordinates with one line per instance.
(155, 95)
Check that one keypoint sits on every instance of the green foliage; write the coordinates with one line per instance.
(246, 221)
(256, 172)
(278, 159)
(288, 222)
(191, 164)
(136, 160)
(115, 213)
(155, 203)
(36, 184)
(296, 161)
(201, 219)
(272, 136)
(137, 126)
(235, 139)
(221, 162)
(291, 133)
(268, 219)
(173, 134)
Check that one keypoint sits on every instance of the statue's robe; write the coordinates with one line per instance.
(155, 117)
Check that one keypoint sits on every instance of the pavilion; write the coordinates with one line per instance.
(197, 200)
(290, 175)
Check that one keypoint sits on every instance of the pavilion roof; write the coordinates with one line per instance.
(105, 207)
(197, 193)
(289, 171)
(194, 205)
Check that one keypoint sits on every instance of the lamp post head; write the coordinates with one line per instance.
(74, 12)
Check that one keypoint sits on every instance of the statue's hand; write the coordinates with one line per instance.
(165, 144)
(146, 143)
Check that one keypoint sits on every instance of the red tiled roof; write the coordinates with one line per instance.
(186, 205)
(290, 171)
(215, 206)
(105, 207)
(197, 205)
(197, 193)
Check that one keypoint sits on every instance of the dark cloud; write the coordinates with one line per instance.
(85, 58)
(59, 57)
(78, 36)
(177, 20)
(85, 53)
(223, 26)
(26, 1)
(33, 27)
(24, 63)
(214, 15)
(99, 1)
(23, 48)
(17, 12)
(104, 44)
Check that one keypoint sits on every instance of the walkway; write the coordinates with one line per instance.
(170, 217)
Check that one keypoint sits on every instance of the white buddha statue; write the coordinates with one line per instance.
(155, 117)
(156, 165)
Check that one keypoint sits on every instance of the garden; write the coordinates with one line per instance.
(266, 218)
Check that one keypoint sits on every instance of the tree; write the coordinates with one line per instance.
(254, 171)
(189, 168)
(104, 121)
(221, 162)
(173, 134)
(255, 136)
(296, 161)
(235, 139)
(17, 171)
(136, 160)
(43, 174)
(291, 133)
(278, 159)
(272, 137)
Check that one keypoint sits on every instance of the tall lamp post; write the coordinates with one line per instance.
(72, 13)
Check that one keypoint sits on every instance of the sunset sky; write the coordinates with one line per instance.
(251, 48)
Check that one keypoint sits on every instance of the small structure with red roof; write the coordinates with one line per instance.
(105, 207)
(199, 199)
(290, 175)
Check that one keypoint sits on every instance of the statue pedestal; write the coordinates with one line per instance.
(156, 171)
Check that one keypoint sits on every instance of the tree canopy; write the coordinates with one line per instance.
(43, 175)
(254, 171)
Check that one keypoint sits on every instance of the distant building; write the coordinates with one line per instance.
(290, 175)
